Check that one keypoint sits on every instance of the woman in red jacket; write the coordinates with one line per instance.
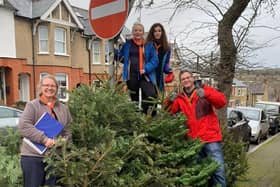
(197, 102)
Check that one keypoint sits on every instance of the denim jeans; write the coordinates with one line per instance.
(214, 150)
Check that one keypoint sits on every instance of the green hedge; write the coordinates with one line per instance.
(11, 175)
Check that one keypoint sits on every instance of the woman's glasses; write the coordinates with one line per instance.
(49, 85)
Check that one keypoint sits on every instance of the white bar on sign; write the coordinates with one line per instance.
(108, 9)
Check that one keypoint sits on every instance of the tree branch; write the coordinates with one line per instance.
(215, 5)
(246, 30)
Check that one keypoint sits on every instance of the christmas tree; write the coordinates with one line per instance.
(116, 145)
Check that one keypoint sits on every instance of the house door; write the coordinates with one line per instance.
(24, 86)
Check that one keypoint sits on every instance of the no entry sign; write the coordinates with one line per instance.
(107, 17)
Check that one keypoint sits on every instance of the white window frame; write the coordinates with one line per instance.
(66, 87)
(107, 53)
(96, 52)
(58, 41)
(239, 92)
(96, 83)
(42, 74)
(42, 39)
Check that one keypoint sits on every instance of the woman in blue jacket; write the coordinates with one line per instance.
(157, 35)
(139, 67)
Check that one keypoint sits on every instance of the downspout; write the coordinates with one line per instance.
(89, 43)
(34, 29)
(33, 59)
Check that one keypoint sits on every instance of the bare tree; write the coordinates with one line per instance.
(230, 22)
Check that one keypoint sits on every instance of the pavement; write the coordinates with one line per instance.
(264, 165)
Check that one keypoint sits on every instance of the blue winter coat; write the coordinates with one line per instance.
(150, 64)
(163, 68)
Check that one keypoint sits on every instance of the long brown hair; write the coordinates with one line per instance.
(163, 39)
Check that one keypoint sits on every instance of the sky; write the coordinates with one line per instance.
(184, 20)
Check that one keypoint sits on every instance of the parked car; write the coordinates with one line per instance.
(272, 110)
(9, 116)
(238, 125)
(258, 123)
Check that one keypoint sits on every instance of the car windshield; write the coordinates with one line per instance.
(269, 108)
(250, 113)
(228, 111)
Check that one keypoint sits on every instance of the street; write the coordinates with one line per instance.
(254, 147)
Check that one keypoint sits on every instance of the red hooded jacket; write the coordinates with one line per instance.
(202, 120)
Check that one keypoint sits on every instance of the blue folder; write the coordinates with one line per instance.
(51, 128)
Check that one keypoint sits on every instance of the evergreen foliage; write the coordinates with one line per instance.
(11, 175)
(236, 162)
(114, 145)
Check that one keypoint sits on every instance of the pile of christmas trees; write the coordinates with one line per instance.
(115, 145)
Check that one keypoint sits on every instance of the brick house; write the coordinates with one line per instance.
(239, 94)
(41, 37)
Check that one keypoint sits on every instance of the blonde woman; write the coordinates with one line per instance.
(33, 167)
(139, 67)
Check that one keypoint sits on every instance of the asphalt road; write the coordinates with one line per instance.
(253, 147)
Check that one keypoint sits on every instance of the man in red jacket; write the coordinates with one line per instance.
(197, 102)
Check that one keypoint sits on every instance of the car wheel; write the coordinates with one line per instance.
(258, 141)
(266, 135)
(276, 129)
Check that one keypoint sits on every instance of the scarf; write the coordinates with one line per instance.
(157, 46)
(190, 95)
(50, 104)
(140, 44)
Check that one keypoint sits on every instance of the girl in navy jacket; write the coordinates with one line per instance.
(139, 67)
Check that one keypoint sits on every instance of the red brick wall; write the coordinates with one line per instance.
(15, 67)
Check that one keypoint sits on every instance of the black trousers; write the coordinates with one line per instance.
(148, 92)
(34, 174)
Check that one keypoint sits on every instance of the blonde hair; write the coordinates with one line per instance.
(48, 76)
(135, 24)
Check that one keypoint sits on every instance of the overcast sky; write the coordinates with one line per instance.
(268, 57)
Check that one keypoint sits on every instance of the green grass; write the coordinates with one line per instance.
(264, 166)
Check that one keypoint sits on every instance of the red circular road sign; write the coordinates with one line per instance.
(107, 17)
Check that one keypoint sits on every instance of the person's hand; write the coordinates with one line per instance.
(49, 142)
(142, 71)
(172, 96)
(168, 102)
(200, 92)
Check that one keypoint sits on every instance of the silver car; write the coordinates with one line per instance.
(258, 122)
(9, 116)
(272, 110)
